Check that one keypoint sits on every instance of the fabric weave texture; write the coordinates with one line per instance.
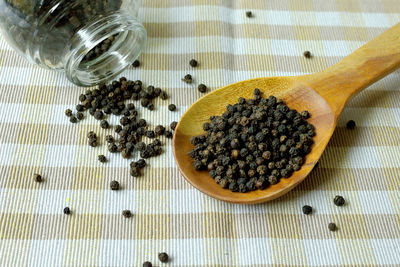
(362, 165)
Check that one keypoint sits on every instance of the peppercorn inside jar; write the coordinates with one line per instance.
(91, 40)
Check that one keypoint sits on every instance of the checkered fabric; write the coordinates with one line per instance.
(362, 165)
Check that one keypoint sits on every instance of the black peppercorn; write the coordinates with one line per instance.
(127, 213)
(163, 257)
(82, 97)
(188, 78)
(136, 63)
(202, 88)
(131, 106)
(91, 134)
(193, 63)
(307, 209)
(104, 124)
(159, 130)
(249, 14)
(79, 115)
(150, 134)
(171, 107)
(79, 107)
(109, 138)
(114, 185)
(150, 106)
(351, 124)
(173, 125)
(38, 178)
(272, 179)
(68, 112)
(147, 264)
(307, 54)
(98, 115)
(339, 201)
(125, 153)
(102, 158)
(73, 119)
(118, 128)
(261, 183)
(144, 102)
(332, 227)
(67, 211)
(141, 163)
(305, 114)
(163, 95)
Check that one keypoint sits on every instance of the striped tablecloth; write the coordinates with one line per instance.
(362, 165)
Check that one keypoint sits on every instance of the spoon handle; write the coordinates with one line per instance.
(368, 64)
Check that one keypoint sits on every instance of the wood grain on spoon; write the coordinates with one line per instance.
(323, 94)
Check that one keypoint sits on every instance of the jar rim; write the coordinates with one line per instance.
(126, 48)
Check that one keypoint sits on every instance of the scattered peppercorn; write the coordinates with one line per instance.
(79, 115)
(150, 134)
(307, 209)
(163, 257)
(193, 63)
(68, 112)
(351, 124)
(147, 264)
(73, 119)
(104, 124)
(131, 106)
(249, 14)
(171, 107)
(141, 163)
(38, 178)
(109, 138)
(79, 107)
(102, 158)
(307, 54)
(150, 106)
(114, 185)
(202, 88)
(332, 227)
(168, 134)
(98, 115)
(91, 134)
(136, 63)
(144, 102)
(173, 125)
(67, 211)
(255, 143)
(159, 130)
(339, 201)
(188, 78)
(163, 95)
(110, 99)
(127, 213)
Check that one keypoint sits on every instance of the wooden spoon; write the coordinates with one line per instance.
(323, 94)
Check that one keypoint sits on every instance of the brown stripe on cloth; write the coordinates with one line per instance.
(370, 6)
(206, 225)
(260, 31)
(166, 178)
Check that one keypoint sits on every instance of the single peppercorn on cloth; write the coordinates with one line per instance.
(169, 215)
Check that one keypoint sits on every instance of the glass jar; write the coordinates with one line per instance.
(91, 40)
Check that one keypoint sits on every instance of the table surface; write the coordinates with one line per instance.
(362, 164)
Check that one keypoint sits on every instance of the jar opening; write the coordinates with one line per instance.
(129, 37)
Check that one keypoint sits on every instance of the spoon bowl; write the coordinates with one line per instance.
(323, 94)
(296, 95)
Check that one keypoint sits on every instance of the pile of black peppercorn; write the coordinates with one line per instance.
(253, 144)
(110, 99)
(99, 49)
